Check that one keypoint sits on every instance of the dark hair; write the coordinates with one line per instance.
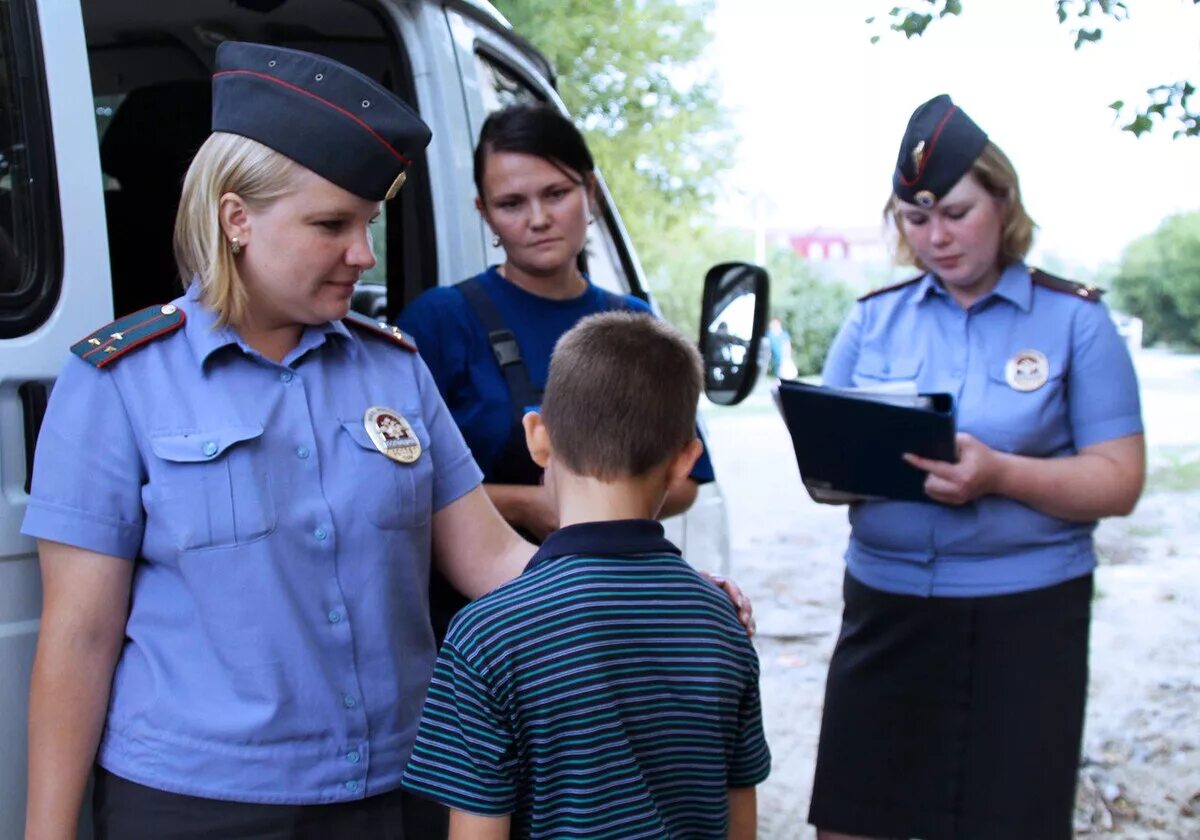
(537, 129)
(621, 396)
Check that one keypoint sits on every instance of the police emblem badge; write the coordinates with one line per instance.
(392, 434)
(1027, 370)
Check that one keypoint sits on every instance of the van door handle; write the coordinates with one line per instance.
(34, 396)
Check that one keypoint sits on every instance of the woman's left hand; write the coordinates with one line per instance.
(974, 474)
(741, 602)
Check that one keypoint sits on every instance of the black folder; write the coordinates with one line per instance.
(848, 444)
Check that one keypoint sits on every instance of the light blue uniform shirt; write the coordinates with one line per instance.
(918, 332)
(278, 645)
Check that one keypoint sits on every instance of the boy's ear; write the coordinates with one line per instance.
(685, 460)
(537, 438)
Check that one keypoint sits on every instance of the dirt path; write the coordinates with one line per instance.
(1141, 774)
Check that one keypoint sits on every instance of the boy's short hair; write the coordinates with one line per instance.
(621, 396)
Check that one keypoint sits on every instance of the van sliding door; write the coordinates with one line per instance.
(50, 207)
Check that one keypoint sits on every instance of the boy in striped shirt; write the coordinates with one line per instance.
(609, 691)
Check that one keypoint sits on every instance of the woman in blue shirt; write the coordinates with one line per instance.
(236, 494)
(536, 191)
(955, 698)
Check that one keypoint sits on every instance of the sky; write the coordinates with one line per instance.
(820, 112)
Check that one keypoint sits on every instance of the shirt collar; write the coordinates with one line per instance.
(1014, 285)
(207, 338)
(605, 539)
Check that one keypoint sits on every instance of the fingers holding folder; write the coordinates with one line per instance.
(955, 483)
(851, 445)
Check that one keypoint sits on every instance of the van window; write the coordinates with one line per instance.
(152, 90)
(30, 237)
(503, 86)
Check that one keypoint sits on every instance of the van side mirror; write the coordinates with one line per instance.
(733, 320)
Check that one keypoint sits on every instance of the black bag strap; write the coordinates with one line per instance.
(504, 347)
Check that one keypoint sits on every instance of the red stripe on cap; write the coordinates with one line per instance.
(937, 132)
(323, 101)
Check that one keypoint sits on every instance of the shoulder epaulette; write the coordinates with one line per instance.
(1069, 287)
(891, 288)
(381, 328)
(112, 341)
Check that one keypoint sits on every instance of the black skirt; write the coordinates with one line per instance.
(954, 717)
(125, 810)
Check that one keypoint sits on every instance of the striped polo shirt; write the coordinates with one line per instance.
(607, 692)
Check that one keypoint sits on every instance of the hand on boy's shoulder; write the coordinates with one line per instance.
(741, 602)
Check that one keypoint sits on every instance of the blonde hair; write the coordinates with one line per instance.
(225, 163)
(996, 174)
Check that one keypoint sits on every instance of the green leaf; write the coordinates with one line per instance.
(1085, 36)
(874, 39)
(1139, 126)
(1159, 108)
(1117, 105)
(1062, 14)
(953, 7)
(914, 24)
(871, 19)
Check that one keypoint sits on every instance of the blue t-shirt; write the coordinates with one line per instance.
(454, 345)
(918, 333)
(607, 692)
(278, 644)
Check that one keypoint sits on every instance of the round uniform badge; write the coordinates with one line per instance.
(1027, 370)
(392, 434)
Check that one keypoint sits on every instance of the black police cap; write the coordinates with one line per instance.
(939, 146)
(322, 114)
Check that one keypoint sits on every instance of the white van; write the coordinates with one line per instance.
(102, 103)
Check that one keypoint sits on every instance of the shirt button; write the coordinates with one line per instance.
(353, 756)
(334, 616)
(286, 376)
(320, 533)
(210, 449)
(301, 451)
(349, 702)
(352, 785)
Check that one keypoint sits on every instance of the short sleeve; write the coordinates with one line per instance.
(750, 763)
(439, 330)
(703, 472)
(1102, 387)
(838, 371)
(464, 755)
(87, 472)
(457, 473)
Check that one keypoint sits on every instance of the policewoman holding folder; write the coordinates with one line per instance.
(955, 697)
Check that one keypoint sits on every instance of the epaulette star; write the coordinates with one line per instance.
(114, 340)
(381, 328)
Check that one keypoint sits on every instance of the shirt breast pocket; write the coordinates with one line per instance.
(395, 495)
(877, 368)
(208, 489)
(1028, 422)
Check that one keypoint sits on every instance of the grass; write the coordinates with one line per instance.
(1177, 469)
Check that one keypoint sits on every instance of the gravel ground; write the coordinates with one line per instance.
(1141, 769)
